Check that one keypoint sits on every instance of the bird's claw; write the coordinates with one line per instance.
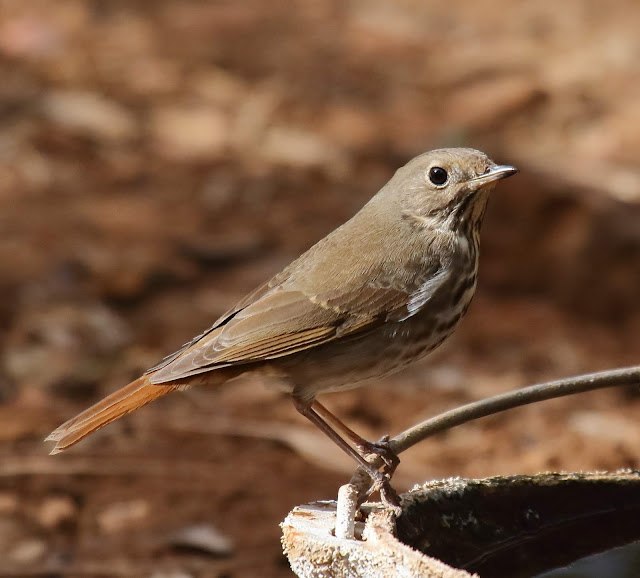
(382, 449)
(388, 495)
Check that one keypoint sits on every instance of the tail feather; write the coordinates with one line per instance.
(125, 400)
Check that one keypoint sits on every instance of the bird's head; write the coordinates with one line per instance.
(448, 188)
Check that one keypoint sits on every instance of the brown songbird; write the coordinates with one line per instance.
(379, 292)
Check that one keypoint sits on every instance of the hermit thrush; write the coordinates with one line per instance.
(379, 292)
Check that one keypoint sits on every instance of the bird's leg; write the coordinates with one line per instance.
(380, 480)
(380, 448)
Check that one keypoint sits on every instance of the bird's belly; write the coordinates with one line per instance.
(344, 364)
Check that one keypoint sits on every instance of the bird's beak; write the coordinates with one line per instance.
(495, 173)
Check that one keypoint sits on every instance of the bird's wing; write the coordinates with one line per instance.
(282, 320)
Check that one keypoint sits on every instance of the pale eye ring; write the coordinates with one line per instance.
(438, 176)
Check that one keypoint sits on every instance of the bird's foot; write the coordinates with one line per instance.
(390, 498)
(382, 449)
(388, 495)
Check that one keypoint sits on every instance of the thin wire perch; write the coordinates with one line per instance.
(628, 376)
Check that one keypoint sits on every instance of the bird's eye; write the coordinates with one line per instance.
(438, 176)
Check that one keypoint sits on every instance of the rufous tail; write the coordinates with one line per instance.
(138, 393)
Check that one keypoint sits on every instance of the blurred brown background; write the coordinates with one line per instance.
(159, 159)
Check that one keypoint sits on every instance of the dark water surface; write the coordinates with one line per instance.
(621, 562)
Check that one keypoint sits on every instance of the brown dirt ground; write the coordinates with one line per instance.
(160, 159)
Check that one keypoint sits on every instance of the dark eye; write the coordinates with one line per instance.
(438, 176)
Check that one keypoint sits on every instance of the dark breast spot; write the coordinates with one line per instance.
(448, 324)
(461, 288)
